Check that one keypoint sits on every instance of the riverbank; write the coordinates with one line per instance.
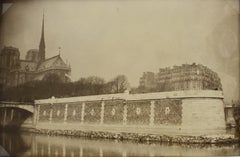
(218, 139)
(32, 145)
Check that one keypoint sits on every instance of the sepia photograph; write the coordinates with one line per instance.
(119, 78)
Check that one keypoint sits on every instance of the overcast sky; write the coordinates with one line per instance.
(110, 37)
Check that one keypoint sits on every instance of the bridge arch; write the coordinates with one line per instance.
(13, 115)
(28, 108)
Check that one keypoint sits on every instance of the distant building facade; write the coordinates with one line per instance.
(184, 77)
(147, 81)
(14, 71)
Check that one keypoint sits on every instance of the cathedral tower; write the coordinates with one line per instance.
(41, 55)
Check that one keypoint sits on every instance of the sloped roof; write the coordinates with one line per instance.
(24, 64)
(55, 62)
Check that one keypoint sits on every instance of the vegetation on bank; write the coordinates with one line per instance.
(53, 86)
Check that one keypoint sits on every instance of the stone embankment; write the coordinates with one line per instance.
(221, 139)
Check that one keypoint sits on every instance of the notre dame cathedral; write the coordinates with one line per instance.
(14, 71)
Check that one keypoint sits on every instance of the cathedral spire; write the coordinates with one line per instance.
(41, 55)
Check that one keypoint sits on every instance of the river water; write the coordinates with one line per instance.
(31, 145)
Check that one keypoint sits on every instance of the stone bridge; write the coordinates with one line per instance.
(16, 114)
(25, 106)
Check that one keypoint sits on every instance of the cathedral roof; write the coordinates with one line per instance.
(25, 64)
(55, 62)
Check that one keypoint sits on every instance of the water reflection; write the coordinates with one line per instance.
(31, 145)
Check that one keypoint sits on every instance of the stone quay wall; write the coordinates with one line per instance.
(190, 113)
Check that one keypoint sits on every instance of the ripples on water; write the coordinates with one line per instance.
(31, 145)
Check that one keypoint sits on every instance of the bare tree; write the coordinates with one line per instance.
(95, 80)
(119, 84)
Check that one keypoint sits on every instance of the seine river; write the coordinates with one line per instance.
(31, 145)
